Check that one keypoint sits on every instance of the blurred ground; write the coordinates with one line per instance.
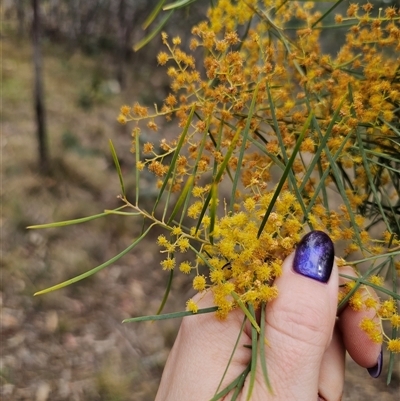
(71, 345)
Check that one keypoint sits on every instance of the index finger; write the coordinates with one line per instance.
(366, 350)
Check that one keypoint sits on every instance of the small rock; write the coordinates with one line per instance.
(7, 389)
(136, 290)
(19, 285)
(10, 318)
(16, 340)
(35, 238)
(111, 86)
(148, 258)
(51, 321)
(70, 341)
(102, 346)
(64, 389)
(43, 391)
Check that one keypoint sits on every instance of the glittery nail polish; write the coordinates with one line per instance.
(314, 256)
(376, 370)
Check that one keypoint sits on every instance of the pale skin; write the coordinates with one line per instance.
(305, 353)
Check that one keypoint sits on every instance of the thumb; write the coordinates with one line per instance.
(300, 321)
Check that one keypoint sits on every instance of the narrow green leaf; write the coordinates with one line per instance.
(395, 216)
(218, 145)
(203, 211)
(219, 175)
(228, 155)
(254, 355)
(387, 166)
(356, 74)
(194, 173)
(137, 172)
(122, 213)
(366, 166)
(391, 126)
(243, 147)
(201, 256)
(173, 315)
(231, 386)
(166, 292)
(152, 34)
(395, 179)
(178, 4)
(245, 311)
(326, 13)
(379, 154)
(292, 178)
(172, 166)
(182, 197)
(391, 360)
(213, 210)
(232, 353)
(285, 174)
(395, 330)
(273, 157)
(96, 269)
(371, 181)
(262, 340)
(325, 174)
(245, 33)
(321, 187)
(169, 195)
(349, 62)
(322, 145)
(338, 177)
(325, 200)
(358, 281)
(276, 125)
(346, 299)
(240, 385)
(374, 257)
(277, 32)
(374, 286)
(76, 221)
(321, 27)
(117, 166)
(156, 10)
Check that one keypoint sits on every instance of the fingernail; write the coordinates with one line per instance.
(314, 256)
(376, 370)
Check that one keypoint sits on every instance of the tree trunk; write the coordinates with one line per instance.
(121, 46)
(39, 92)
(21, 18)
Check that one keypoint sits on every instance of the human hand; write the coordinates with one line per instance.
(306, 340)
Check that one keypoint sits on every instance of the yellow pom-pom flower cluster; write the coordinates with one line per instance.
(361, 298)
(275, 138)
(245, 262)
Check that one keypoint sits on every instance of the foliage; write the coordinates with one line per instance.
(275, 139)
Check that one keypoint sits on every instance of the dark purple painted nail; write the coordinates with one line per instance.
(314, 256)
(376, 370)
